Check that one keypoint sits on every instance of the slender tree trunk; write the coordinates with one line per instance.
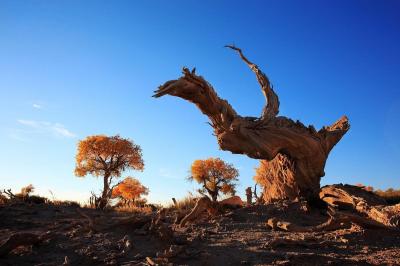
(105, 194)
(214, 196)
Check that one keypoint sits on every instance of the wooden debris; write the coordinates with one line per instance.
(202, 205)
(370, 207)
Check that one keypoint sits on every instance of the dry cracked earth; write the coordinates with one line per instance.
(236, 237)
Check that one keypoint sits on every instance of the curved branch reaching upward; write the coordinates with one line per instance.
(197, 90)
(272, 107)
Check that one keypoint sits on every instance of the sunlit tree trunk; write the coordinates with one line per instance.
(296, 154)
(105, 194)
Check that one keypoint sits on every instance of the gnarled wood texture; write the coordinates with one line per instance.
(365, 203)
(278, 140)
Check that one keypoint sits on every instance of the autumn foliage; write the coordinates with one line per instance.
(215, 176)
(261, 173)
(129, 190)
(108, 157)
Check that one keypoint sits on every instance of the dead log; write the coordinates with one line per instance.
(205, 204)
(365, 203)
(295, 154)
(202, 204)
(348, 205)
(249, 196)
(337, 220)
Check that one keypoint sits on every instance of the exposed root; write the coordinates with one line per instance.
(337, 220)
(365, 203)
(202, 205)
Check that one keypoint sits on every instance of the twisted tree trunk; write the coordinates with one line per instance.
(296, 154)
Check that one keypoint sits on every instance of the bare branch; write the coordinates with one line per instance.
(272, 108)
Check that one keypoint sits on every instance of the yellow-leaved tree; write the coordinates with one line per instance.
(215, 176)
(108, 157)
(129, 190)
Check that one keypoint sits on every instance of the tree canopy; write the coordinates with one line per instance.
(215, 176)
(100, 155)
(130, 189)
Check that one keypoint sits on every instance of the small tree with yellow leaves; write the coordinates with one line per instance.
(215, 176)
(107, 157)
(129, 190)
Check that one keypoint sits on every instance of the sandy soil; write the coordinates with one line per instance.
(236, 237)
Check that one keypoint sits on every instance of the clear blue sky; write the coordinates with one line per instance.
(69, 69)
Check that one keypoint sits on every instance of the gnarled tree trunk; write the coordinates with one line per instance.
(296, 154)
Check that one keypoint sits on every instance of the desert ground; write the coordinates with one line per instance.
(70, 235)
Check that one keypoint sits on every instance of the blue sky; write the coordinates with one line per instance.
(70, 69)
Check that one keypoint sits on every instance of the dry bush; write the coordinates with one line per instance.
(392, 196)
(134, 209)
(23, 196)
(25, 191)
(36, 199)
(3, 199)
(185, 203)
(65, 203)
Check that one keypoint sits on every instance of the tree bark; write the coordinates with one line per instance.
(365, 203)
(296, 154)
(105, 194)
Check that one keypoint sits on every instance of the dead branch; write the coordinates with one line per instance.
(202, 205)
(9, 194)
(368, 207)
(272, 107)
(175, 203)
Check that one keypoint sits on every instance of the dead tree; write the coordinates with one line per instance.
(295, 154)
(249, 196)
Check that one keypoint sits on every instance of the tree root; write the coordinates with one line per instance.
(337, 220)
(370, 207)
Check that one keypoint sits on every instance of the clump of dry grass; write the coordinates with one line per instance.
(392, 196)
(65, 203)
(7, 196)
(3, 199)
(134, 209)
(184, 204)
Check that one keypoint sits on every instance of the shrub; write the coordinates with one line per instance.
(185, 203)
(392, 196)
